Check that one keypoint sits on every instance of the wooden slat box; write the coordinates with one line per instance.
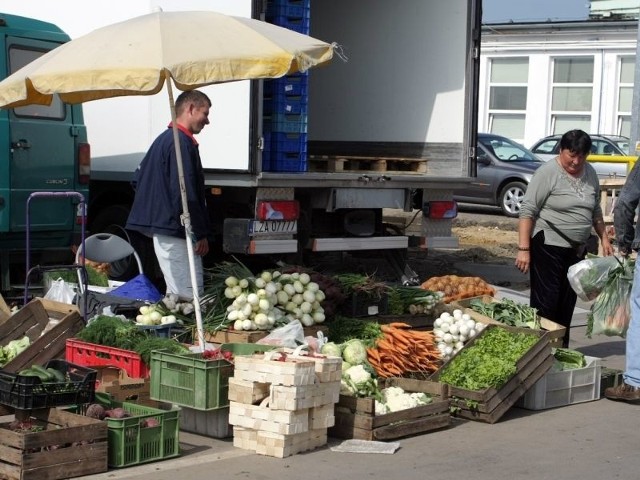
(489, 404)
(292, 372)
(356, 418)
(32, 320)
(82, 447)
(555, 330)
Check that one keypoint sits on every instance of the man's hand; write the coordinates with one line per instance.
(202, 247)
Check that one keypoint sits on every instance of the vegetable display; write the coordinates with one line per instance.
(395, 399)
(508, 312)
(412, 300)
(454, 287)
(265, 301)
(452, 331)
(401, 350)
(489, 362)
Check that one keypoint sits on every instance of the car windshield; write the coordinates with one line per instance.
(507, 150)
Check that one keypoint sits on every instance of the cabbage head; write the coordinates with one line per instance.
(354, 352)
(331, 349)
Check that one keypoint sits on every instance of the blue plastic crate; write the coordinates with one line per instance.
(297, 24)
(285, 104)
(288, 85)
(288, 162)
(288, 8)
(286, 123)
(288, 142)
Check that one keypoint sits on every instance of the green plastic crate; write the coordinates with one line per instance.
(190, 381)
(131, 444)
(245, 348)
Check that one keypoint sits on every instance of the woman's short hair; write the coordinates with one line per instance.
(576, 141)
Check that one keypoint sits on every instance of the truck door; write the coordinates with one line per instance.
(42, 152)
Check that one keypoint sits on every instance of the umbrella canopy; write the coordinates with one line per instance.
(135, 57)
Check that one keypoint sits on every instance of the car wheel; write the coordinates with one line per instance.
(511, 197)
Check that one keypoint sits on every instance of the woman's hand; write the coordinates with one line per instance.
(523, 259)
(607, 248)
(201, 247)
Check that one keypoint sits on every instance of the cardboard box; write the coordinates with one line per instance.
(555, 330)
(5, 311)
(116, 382)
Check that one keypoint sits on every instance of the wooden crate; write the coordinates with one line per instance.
(32, 320)
(490, 404)
(115, 382)
(355, 417)
(226, 335)
(82, 447)
(555, 330)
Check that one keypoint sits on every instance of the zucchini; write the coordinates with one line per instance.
(42, 372)
(59, 376)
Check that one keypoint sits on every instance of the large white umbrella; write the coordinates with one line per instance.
(138, 56)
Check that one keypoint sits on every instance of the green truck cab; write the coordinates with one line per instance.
(42, 149)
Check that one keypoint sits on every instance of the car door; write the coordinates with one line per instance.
(480, 189)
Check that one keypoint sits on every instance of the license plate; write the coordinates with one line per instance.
(271, 227)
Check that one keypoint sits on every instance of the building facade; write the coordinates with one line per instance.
(538, 79)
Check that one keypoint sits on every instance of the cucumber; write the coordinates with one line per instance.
(59, 376)
(42, 372)
(28, 372)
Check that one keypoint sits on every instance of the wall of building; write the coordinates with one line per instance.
(541, 79)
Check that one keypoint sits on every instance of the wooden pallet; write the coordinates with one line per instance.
(348, 163)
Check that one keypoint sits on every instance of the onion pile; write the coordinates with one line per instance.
(273, 298)
(452, 331)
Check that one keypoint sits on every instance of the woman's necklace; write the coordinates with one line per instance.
(577, 184)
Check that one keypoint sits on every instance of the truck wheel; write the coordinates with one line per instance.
(511, 197)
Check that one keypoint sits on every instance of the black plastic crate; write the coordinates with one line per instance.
(361, 305)
(28, 393)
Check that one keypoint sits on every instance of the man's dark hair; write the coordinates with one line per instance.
(196, 97)
(576, 141)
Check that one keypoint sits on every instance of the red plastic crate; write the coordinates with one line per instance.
(91, 354)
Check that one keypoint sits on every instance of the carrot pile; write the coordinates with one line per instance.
(401, 349)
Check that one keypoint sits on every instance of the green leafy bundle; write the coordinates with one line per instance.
(508, 312)
(490, 361)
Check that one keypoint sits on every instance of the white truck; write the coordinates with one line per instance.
(392, 127)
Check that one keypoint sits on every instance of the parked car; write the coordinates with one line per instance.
(505, 169)
(602, 146)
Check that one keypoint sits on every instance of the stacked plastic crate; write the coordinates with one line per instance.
(285, 99)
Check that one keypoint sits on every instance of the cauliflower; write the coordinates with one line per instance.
(358, 382)
(381, 408)
(395, 399)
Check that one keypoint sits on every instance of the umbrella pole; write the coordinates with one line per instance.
(186, 218)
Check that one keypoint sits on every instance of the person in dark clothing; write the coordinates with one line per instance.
(157, 206)
(558, 212)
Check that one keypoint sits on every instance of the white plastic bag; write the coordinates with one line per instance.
(589, 276)
(290, 335)
(60, 291)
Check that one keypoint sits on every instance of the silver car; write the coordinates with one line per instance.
(505, 169)
(603, 146)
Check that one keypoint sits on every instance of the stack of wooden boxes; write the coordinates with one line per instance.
(282, 404)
